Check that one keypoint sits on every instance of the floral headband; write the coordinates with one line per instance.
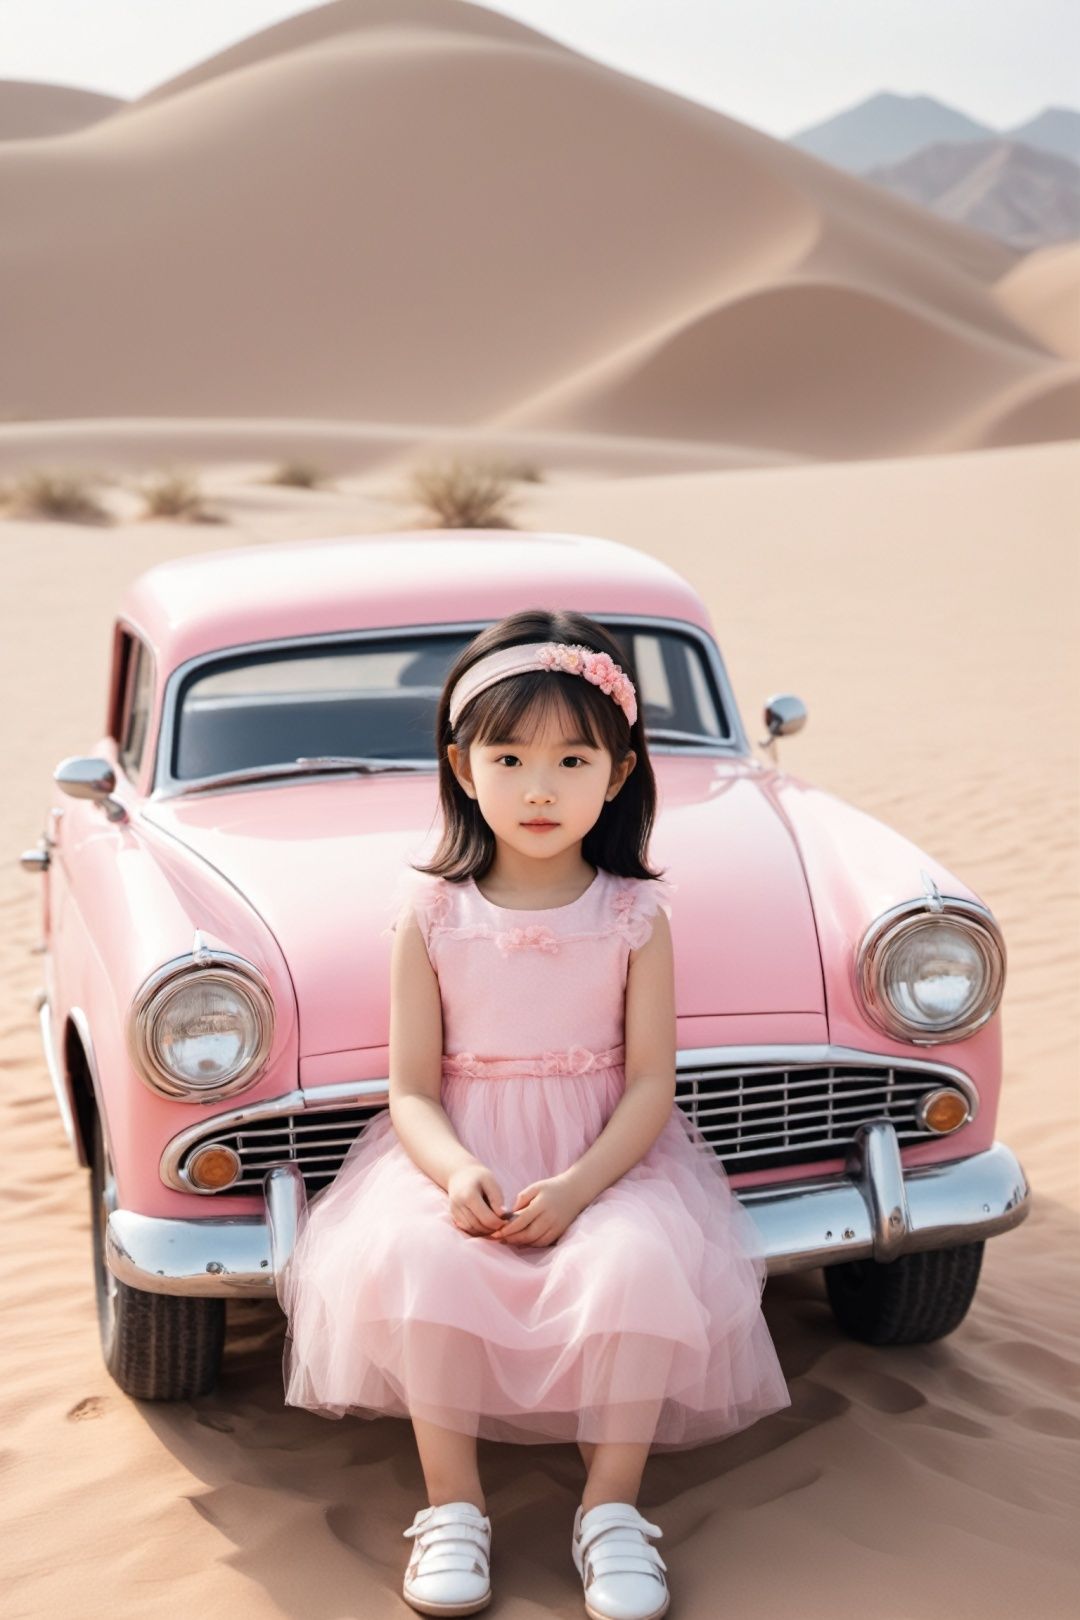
(569, 658)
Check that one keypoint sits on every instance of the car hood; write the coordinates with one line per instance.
(320, 862)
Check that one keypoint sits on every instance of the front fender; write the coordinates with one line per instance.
(135, 899)
(856, 868)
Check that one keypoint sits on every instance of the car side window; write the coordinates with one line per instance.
(135, 714)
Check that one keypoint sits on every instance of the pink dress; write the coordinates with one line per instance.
(642, 1322)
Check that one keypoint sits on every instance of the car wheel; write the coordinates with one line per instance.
(910, 1300)
(158, 1347)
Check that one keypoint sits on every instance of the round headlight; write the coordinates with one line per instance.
(202, 1026)
(928, 975)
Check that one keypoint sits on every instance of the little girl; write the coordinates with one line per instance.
(534, 1243)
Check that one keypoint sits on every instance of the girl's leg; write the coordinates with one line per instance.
(448, 1459)
(615, 1470)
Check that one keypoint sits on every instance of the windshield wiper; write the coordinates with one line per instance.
(669, 734)
(305, 765)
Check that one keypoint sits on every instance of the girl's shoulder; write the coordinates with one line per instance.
(633, 903)
(425, 895)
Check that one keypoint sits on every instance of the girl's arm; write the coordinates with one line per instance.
(416, 1043)
(649, 1096)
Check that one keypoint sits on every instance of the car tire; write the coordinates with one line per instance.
(157, 1347)
(910, 1300)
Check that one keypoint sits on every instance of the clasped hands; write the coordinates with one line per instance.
(541, 1213)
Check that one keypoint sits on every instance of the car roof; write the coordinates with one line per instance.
(200, 603)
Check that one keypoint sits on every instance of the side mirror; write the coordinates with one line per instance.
(784, 715)
(88, 778)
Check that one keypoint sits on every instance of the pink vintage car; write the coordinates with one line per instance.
(216, 881)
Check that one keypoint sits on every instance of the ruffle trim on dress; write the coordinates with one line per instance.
(630, 913)
(425, 894)
(634, 908)
(575, 1060)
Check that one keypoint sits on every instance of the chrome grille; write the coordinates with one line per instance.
(316, 1139)
(760, 1118)
(755, 1116)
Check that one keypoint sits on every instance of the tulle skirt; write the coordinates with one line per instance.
(641, 1322)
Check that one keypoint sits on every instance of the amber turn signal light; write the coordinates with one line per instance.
(942, 1110)
(213, 1167)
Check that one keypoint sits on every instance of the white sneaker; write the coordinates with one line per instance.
(621, 1573)
(448, 1569)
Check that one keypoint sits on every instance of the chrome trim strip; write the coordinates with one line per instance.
(864, 1214)
(124, 621)
(166, 786)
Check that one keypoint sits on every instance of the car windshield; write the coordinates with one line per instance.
(374, 699)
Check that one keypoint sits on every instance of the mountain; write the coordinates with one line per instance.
(1009, 190)
(1056, 130)
(886, 129)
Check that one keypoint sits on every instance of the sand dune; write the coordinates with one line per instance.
(798, 366)
(348, 16)
(908, 603)
(496, 226)
(29, 111)
(1042, 294)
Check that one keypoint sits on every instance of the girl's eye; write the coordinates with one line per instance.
(578, 757)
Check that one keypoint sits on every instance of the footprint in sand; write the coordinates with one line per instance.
(91, 1406)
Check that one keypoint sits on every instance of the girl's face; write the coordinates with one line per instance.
(554, 777)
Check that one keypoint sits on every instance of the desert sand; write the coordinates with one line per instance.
(939, 651)
(878, 504)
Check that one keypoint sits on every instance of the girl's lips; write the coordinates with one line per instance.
(540, 826)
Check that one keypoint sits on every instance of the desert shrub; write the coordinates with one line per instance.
(48, 492)
(299, 475)
(521, 472)
(175, 495)
(456, 494)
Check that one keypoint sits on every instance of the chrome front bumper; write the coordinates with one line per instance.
(873, 1211)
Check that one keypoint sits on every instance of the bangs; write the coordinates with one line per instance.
(519, 708)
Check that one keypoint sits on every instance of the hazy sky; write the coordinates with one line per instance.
(777, 64)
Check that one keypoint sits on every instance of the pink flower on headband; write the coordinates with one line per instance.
(603, 671)
(598, 667)
(623, 693)
(564, 655)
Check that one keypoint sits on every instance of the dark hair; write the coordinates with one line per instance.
(518, 705)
